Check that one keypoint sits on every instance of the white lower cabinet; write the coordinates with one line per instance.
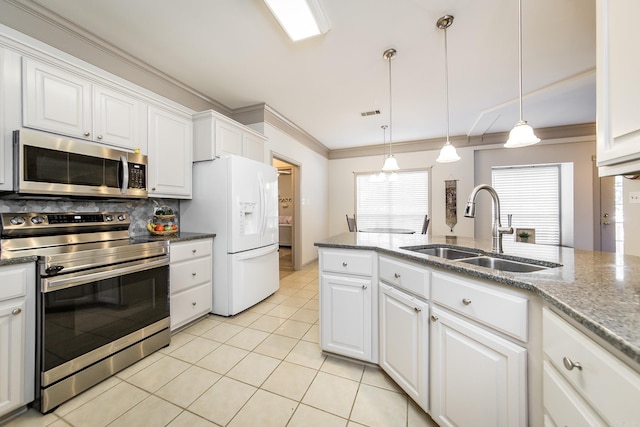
(583, 384)
(17, 336)
(190, 280)
(404, 342)
(477, 377)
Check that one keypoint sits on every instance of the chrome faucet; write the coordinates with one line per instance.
(497, 229)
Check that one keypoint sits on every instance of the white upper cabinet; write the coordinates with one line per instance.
(215, 135)
(170, 155)
(618, 87)
(62, 102)
(10, 113)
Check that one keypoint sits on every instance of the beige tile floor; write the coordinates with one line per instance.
(262, 367)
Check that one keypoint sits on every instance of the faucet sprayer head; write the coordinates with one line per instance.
(470, 210)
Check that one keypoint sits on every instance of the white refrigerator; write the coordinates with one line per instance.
(237, 199)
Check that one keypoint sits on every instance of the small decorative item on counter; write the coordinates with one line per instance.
(163, 223)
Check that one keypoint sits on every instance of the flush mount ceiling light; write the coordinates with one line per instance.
(390, 163)
(300, 19)
(448, 153)
(522, 134)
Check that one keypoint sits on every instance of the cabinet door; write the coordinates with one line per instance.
(345, 310)
(55, 100)
(119, 120)
(477, 377)
(404, 334)
(618, 88)
(228, 139)
(169, 154)
(12, 354)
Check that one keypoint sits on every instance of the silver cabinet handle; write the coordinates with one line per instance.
(396, 275)
(466, 301)
(87, 133)
(16, 311)
(434, 318)
(153, 189)
(193, 274)
(364, 286)
(344, 263)
(417, 309)
(570, 364)
(194, 303)
(99, 136)
(193, 251)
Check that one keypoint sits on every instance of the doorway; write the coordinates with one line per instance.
(611, 215)
(287, 214)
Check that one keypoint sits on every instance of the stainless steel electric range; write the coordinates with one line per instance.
(102, 301)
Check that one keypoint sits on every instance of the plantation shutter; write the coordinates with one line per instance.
(393, 203)
(532, 195)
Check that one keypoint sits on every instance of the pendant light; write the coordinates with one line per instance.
(522, 134)
(381, 176)
(390, 163)
(448, 152)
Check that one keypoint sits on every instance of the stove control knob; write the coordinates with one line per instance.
(121, 217)
(54, 269)
(108, 218)
(37, 219)
(17, 220)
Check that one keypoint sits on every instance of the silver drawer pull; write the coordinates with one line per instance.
(417, 309)
(466, 301)
(364, 286)
(193, 251)
(16, 311)
(193, 274)
(87, 133)
(194, 303)
(434, 318)
(396, 275)
(344, 263)
(570, 364)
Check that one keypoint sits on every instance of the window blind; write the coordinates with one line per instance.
(399, 203)
(532, 195)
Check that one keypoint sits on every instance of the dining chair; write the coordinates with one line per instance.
(425, 224)
(351, 222)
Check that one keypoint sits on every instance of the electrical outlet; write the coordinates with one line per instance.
(634, 197)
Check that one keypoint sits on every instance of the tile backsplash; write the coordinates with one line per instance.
(139, 210)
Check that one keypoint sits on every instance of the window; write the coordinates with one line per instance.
(401, 202)
(532, 194)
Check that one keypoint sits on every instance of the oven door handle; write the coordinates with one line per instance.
(55, 283)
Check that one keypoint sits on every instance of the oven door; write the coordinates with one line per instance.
(91, 314)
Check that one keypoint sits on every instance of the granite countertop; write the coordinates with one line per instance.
(599, 290)
(180, 236)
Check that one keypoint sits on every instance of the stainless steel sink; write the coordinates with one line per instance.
(504, 264)
(442, 252)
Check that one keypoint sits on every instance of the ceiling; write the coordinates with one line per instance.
(235, 52)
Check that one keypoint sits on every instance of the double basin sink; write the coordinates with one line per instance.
(480, 259)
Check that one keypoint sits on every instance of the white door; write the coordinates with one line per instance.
(477, 377)
(253, 204)
(404, 342)
(345, 305)
(607, 214)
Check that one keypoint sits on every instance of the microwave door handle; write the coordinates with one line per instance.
(125, 174)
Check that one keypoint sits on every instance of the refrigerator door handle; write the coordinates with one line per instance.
(263, 208)
(256, 253)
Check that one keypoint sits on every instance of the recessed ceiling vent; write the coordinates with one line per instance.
(370, 113)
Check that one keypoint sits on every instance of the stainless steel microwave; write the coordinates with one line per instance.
(50, 164)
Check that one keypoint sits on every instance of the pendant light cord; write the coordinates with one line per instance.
(390, 107)
(446, 80)
(519, 53)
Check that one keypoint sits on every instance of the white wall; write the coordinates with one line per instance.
(631, 218)
(580, 153)
(314, 195)
(342, 187)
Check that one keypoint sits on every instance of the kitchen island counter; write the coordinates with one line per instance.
(598, 290)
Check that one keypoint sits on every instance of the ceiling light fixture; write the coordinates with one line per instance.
(522, 134)
(390, 163)
(300, 19)
(448, 153)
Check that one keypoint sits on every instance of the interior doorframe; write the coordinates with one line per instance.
(296, 228)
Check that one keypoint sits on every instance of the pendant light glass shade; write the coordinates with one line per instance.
(522, 134)
(390, 163)
(448, 153)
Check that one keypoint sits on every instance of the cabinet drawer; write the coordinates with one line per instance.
(187, 274)
(189, 250)
(482, 302)
(412, 278)
(348, 262)
(610, 386)
(13, 281)
(189, 305)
